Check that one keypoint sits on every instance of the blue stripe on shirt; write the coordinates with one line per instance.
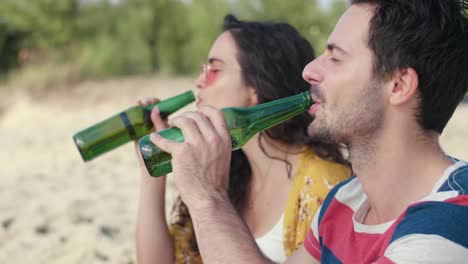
(457, 181)
(444, 219)
(328, 257)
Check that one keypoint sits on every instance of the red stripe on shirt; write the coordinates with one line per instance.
(383, 260)
(312, 245)
(460, 200)
(361, 247)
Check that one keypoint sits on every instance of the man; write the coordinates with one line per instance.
(386, 86)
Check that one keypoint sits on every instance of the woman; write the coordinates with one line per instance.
(279, 178)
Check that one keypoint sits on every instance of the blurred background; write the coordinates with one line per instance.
(67, 64)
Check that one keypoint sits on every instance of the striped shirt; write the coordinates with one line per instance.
(433, 230)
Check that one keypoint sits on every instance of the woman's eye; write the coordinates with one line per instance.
(211, 76)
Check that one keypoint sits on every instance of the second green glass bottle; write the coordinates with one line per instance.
(243, 123)
(128, 125)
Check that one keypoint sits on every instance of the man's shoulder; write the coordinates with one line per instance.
(447, 219)
(444, 212)
(436, 227)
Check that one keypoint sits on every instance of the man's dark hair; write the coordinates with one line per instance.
(431, 37)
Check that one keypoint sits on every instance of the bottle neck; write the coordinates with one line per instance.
(301, 101)
(170, 105)
(269, 114)
(246, 122)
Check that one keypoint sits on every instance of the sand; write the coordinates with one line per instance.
(54, 208)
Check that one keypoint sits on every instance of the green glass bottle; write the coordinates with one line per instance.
(128, 125)
(243, 123)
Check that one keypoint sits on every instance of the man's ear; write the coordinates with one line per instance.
(405, 85)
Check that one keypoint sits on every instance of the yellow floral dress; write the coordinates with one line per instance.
(314, 178)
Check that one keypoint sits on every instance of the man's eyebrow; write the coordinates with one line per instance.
(333, 46)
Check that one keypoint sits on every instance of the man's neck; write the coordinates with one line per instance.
(397, 168)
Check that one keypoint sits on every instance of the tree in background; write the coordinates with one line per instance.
(204, 23)
(48, 23)
(10, 42)
(306, 16)
(121, 37)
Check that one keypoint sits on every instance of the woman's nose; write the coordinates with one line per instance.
(201, 82)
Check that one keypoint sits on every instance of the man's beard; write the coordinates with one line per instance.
(348, 123)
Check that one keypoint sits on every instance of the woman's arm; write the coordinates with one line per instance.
(153, 241)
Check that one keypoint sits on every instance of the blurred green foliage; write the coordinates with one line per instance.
(121, 37)
(9, 46)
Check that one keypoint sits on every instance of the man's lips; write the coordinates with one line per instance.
(313, 109)
(315, 99)
(315, 105)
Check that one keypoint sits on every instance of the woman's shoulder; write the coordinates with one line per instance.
(315, 168)
(313, 180)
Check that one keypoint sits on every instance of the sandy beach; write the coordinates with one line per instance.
(54, 208)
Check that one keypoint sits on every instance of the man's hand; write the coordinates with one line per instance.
(201, 163)
(201, 174)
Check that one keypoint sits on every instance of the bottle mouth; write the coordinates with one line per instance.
(309, 100)
(79, 144)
